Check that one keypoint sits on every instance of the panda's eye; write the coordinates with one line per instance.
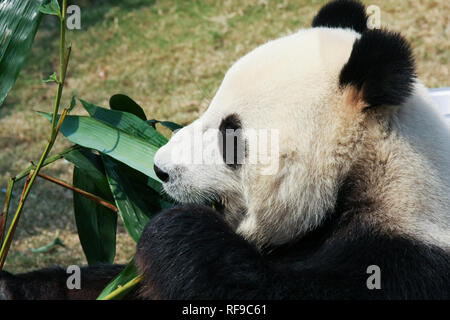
(232, 141)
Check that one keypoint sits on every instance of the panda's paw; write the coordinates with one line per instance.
(181, 229)
(180, 243)
(185, 221)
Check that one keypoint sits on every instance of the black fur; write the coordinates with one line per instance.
(50, 283)
(190, 253)
(342, 14)
(382, 66)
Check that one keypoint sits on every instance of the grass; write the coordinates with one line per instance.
(170, 56)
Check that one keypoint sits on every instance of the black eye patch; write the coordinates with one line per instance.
(232, 141)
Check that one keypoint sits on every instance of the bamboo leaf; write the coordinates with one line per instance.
(168, 124)
(19, 21)
(73, 102)
(52, 78)
(91, 164)
(52, 245)
(51, 8)
(118, 144)
(136, 202)
(127, 122)
(96, 225)
(122, 102)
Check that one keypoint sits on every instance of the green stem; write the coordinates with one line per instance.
(4, 214)
(63, 62)
(47, 161)
(123, 288)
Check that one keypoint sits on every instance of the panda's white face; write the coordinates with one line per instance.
(285, 98)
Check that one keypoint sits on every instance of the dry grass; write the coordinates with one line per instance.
(170, 56)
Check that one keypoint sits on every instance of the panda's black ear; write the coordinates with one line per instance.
(380, 68)
(342, 14)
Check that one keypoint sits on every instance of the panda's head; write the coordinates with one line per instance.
(287, 123)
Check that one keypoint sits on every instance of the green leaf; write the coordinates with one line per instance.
(129, 273)
(52, 78)
(19, 21)
(168, 124)
(73, 102)
(51, 8)
(127, 122)
(122, 102)
(96, 224)
(52, 245)
(92, 164)
(120, 145)
(90, 167)
(136, 202)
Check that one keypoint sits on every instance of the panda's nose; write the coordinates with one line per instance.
(163, 176)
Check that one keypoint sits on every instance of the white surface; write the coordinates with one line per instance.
(442, 98)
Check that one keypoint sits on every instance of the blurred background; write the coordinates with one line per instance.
(170, 56)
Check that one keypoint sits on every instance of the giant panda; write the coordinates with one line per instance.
(360, 181)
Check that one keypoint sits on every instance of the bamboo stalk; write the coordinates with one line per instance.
(4, 214)
(88, 195)
(61, 119)
(47, 161)
(64, 56)
(123, 288)
(7, 243)
(20, 176)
